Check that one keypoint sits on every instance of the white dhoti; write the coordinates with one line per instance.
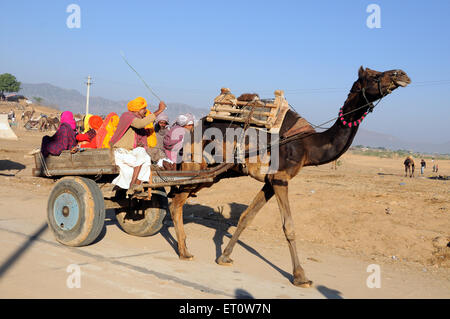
(127, 161)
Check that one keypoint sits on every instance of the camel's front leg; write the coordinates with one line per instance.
(247, 216)
(281, 193)
(176, 211)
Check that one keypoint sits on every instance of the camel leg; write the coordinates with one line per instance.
(247, 216)
(281, 193)
(176, 211)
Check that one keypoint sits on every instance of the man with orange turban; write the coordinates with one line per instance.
(130, 146)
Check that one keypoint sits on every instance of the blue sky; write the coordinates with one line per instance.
(188, 50)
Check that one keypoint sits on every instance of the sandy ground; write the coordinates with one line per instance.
(364, 213)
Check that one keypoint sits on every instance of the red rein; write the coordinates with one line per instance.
(350, 124)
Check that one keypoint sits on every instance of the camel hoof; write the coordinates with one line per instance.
(224, 261)
(303, 284)
(187, 257)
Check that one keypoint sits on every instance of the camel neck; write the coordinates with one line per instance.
(328, 146)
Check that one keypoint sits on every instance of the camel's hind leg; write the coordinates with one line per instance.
(247, 216)
(281, 193)
(176, 211)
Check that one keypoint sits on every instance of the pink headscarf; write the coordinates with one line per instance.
(67, 117)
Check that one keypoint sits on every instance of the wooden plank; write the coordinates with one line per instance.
(84, 171)
(254, 103)
(175, 183)
(88, 158)
(241, 111)
(237, 119)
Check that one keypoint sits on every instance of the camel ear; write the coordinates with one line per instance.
(361, 72)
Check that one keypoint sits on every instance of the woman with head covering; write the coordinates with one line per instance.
(95, 122)
(173, 141)
(130, 144)
(106, 131)
(63, 139)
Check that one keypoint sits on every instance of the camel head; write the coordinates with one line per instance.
(376, 85)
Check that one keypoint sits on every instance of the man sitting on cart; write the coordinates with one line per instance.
(130, 144)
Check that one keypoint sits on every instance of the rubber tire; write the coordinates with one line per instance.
(91, 216)
(144, 222)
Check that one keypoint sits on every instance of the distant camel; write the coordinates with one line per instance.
(26, 116)
(409, 166)
(48, 123)
(53, 122)
(79, 119)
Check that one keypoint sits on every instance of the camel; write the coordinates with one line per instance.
(48, 123)
(295, 152)
(27, 115)
(409, 166)
(53, 122)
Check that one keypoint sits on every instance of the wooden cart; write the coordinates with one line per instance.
(76, 205)
(83, 191)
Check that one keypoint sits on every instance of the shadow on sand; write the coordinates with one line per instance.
(7, 165)
(208, 217)
(214, 219)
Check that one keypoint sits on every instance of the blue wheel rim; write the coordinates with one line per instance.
(66, 211)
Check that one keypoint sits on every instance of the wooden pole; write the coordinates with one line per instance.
(87, 94)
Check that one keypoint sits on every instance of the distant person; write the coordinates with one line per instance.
(12, 116)
(423, 165)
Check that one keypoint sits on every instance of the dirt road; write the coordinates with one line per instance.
(342, 227)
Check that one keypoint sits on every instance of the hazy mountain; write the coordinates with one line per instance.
(374, 139)
(74, 101)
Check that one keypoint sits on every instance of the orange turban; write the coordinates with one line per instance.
(95, 122)
(137, 104)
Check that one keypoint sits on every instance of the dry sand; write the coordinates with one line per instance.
(365, 212)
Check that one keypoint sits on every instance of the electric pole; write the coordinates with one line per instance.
(87, 95)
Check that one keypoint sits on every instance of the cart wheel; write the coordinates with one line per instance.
(147, 220)
(76, 211)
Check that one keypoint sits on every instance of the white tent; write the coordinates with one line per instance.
(5, 130)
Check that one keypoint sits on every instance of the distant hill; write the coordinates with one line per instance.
(374, 139)
(74, 101)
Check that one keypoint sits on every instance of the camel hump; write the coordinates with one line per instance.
(248, 97)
